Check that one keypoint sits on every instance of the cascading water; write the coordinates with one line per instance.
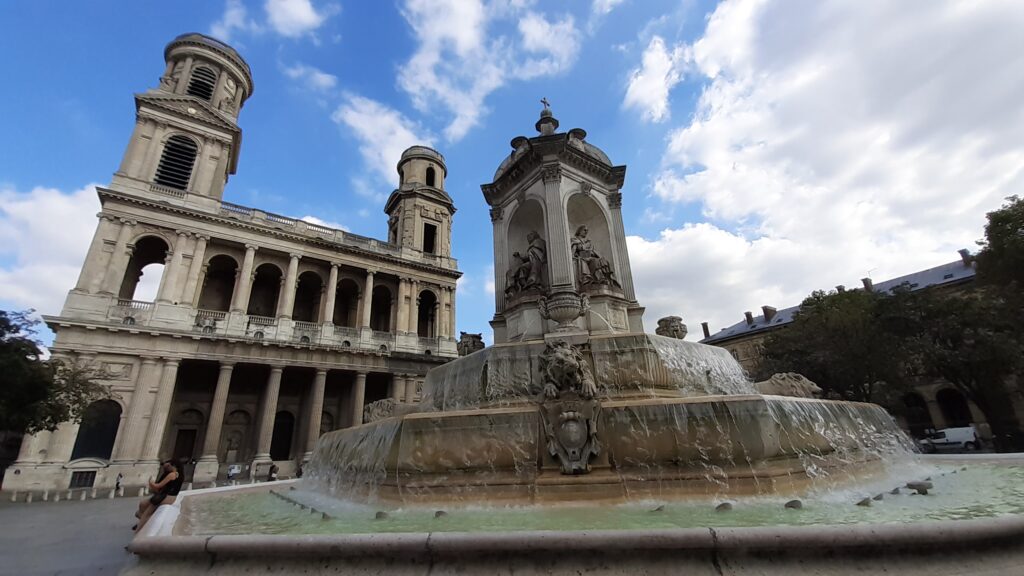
(676, 420)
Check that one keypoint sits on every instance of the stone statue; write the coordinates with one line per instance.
(671, 326)
(469, 343)
(527, 272)
(569, 410)
(167, 83)
(591, 268)
(788, 384)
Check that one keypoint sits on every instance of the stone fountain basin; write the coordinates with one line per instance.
(663, 447)
(982, 546)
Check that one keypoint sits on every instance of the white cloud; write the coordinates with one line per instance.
(295, 18)
(311, 78)
(383, 133)
(235, 18)
(314, 220)
(489, 282)
(821, 157)
(44, 235)
(650, 84)
(456, 66)
(603, 7)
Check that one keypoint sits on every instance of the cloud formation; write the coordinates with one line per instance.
(821, 158)
(39, 259)
(455, 67)
(235, 18)
(310, 77)
(295, 18)
(649, 85)
(383, 133)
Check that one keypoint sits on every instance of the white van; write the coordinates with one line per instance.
(965, 438)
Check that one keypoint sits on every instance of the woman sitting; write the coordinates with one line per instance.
(165, 491)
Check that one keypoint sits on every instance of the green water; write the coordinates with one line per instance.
(980, 490)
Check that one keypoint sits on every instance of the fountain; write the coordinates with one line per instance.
(579, 443)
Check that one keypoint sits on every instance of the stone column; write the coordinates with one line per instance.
(188, 293)
(410, 389)
(625, 275)
(62, 442)
(169, 281)
(266, 423)
(243, 284)
(161, 408)
(287, 302)
(442, 313)
(397, 391)
(500, 257)
(403, 306)
(31, 447)
(414, 309)
(332, 291)
(118, 260)
(367, 300)
(316, 410)
(211, 441)
(92, 271)
(358, 397)
(559, 257)
(451, 312)
(126, 447)
(183, 80)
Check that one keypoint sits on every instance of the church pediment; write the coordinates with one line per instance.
(188, 107)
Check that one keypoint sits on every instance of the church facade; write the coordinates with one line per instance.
(265, 330)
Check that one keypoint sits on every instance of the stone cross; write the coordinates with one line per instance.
(544, 101)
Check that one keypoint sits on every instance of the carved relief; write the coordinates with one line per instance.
(495, 213)
(115, 371)
(551, 173)
(671, 326)
(591, 268)
(568, 409)
(586, 188)
(615, 200)
(469, 343)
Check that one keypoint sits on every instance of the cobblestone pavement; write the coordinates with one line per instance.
(68, 538)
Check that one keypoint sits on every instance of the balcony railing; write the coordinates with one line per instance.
(134, 304)
(166, 190)
(262, 321)
(211, 314)
(346, 331)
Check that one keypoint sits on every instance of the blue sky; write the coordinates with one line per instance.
(772, 148)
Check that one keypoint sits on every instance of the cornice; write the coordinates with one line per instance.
(274, 232)
(211, 116)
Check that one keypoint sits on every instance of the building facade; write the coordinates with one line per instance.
(265, 330)
(933, 404)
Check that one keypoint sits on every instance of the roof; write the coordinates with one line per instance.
(945, 274)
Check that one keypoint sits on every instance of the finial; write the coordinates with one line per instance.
(547, 123)
(544, 101)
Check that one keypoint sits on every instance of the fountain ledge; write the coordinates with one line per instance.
(990, 545)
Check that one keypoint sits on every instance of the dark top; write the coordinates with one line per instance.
(174, 486)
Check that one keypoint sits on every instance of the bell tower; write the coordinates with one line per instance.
(186, 139)
(419, 210)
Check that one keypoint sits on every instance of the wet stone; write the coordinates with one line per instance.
(879, 496)
(894, 491)
(864, 502)
(659, 509)
(723, 507)
(794, 504)
(921, 487)
(440, 514)
(381, 515)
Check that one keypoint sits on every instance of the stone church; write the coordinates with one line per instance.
(265, 330)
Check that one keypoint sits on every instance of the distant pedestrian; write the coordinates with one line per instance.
(272, 473)
(118, 482)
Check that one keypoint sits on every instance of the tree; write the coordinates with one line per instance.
(975, 342)
(36, 394)
(1001, 258)
(838, 341)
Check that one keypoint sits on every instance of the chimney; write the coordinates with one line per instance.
(868, 284)
(750, 318)
(707, 331)
(769, 312)
(965, 255)
(840, 288)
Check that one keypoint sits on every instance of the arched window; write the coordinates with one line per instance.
(202, 83)
(281, 441)
(431, 176)
(426, 320)
(307, 297)
(145, 269)
(380, 309)
(954, 408)
(219, 284)
(175, 168)
(98, 430)
(266, 288)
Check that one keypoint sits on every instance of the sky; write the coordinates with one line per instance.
(773, 148)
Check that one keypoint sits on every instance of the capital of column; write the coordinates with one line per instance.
(252, 247)
(127, 222)
(149, 360)
(227, 364)
(335, 265)
(172, 361)
(371, 271)
(551, 173)
(295, 257)
(182, 233)
(615, 199)
(276, 368)
(321, 371)
(106, 217)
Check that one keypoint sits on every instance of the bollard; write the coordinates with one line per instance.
(112, 492)
(120, 491)
(142, 492)
(56, 497)
(14, 496)
(93, 493)
(28, 498)
(68, 497)
(45, 496)
(82, 497)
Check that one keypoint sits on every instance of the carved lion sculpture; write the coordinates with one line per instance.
(469, 343)
(671, 326)
(788, 384)
(564, 368)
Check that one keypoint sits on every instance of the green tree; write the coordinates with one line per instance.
(36, 394)
(838, 341)
(974, 341)
(1001, 258)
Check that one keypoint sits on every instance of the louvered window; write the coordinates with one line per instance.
(202, 82)
(175, 167)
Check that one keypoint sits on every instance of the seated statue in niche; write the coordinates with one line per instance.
(527, 272)
(591, 268)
